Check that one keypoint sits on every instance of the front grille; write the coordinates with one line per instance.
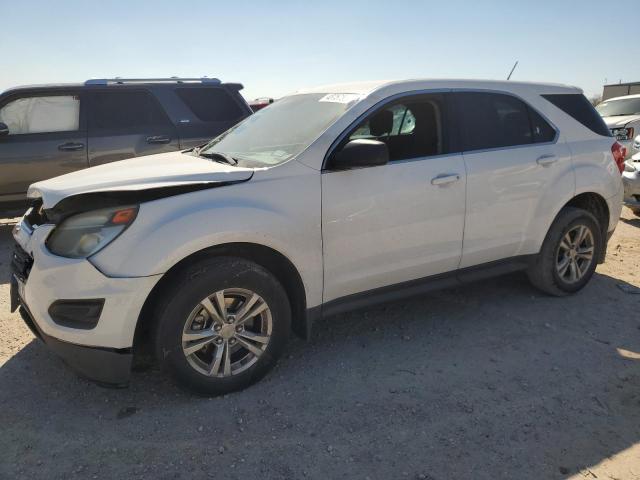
(21, 263)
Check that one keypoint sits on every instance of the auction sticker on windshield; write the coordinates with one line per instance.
(341, 97)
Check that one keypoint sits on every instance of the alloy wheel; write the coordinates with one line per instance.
(227, 332)
(575, 254)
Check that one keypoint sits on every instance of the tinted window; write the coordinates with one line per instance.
(210, 104)
(59, 113)
(493, 120)
(411, 129)
(125, 111)
(542, 131)
(577, 106)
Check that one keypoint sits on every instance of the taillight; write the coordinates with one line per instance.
(619, 152)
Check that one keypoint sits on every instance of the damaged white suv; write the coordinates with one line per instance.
(329, 199)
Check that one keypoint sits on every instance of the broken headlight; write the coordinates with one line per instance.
(84, 234)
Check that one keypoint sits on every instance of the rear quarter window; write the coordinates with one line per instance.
(210, 104)
(577, 106)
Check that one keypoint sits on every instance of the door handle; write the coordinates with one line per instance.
(546, 160)
(445, 179)
(71, 147)
(158, 139)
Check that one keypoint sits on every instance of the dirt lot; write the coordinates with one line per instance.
(484, 382)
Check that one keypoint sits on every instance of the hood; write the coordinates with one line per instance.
(620, 121)
(164, 170)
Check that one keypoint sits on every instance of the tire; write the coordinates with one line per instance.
(547, 272)
(184, 301)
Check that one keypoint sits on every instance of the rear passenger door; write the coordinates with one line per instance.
(513, 158)
(127, 123)
(212, 109)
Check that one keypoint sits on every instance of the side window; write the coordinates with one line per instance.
(56, 113)
(126, 111)
(493, 120)
(411, 129)
(210, 104)
(542, 131)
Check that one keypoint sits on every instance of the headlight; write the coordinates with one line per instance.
(82, 235)
(622, 133)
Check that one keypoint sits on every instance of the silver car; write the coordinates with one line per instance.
(631, 179)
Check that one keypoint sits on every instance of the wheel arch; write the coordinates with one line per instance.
(595, 204)
(274, 261)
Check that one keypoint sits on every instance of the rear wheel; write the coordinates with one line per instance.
(569, 253)
(223, 324)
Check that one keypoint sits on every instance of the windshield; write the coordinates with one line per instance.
(282, 130)
(624, 106)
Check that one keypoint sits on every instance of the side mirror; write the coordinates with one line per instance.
(4, 130)
(361, 153)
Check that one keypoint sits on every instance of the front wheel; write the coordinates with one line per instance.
(569, 253)
(223, 324)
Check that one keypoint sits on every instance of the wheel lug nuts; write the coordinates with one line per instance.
(217, 327)
(239, 328)
(218, 341)
(232, 341)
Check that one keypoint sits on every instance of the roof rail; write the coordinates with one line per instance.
(120, 81)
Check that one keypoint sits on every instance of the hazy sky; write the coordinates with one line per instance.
(274, 47)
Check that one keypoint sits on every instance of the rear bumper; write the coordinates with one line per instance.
(107, 366)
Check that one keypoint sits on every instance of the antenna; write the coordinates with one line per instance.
(511, 72)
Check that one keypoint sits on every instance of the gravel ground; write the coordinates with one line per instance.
(489, 381)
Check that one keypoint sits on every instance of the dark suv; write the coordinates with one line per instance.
(50, 130)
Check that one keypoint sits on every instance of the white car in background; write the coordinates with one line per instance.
(631, 179)
(328, 200)
(622, 116)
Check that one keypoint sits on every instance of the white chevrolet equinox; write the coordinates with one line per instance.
(329, 199)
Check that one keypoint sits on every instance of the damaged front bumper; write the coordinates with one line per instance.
(82, 315)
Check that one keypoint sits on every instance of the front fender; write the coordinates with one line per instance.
(282, 214)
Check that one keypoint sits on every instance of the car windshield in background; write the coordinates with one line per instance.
(628, 106)
(282, 130)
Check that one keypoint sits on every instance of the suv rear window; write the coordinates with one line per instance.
(496, 120)
(210, 104)
(577, 106)
(125, 111)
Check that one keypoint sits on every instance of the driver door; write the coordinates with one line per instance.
(388, 224)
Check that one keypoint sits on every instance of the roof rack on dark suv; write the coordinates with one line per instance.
(119, 80)
(50, 130)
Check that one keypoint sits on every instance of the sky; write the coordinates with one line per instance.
(275, 47)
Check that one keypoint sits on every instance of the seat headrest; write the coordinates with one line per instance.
(381, 123)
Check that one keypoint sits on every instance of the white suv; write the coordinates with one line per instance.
(622, 116)
(327, 200)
